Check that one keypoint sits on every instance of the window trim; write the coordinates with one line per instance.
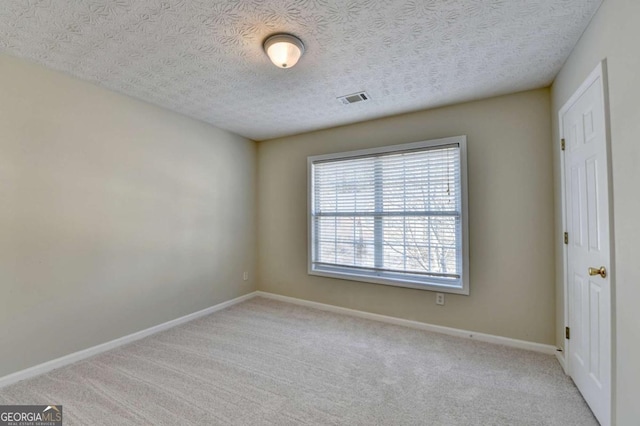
(390, 279)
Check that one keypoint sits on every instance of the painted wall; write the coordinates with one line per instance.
(115, 215)
(613, 34)
(510, 211)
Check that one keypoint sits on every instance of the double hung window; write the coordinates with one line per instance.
(393, 215)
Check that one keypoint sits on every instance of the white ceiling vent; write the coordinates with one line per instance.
(354, 97)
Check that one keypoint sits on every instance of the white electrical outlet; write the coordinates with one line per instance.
(439, 298)
(245, 275)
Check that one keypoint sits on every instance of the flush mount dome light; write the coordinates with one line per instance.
(284, 50)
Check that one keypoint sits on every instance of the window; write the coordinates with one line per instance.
(393, 215)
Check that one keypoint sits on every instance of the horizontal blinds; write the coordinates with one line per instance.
(398, 212)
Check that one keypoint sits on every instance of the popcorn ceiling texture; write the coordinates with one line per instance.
(264, 362)
(204, 58)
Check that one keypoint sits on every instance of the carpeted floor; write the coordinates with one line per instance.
(266, 362)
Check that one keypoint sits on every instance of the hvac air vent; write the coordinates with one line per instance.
(353, 98)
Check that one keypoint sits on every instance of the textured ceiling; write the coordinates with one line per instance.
(204, 58)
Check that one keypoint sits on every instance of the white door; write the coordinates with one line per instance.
(586, 176)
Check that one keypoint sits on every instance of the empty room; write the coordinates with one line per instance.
(319, 212)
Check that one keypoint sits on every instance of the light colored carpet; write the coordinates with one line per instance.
(266, 362)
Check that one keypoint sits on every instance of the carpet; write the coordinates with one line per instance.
(265, 362)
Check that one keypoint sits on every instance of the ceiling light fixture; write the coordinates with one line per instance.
(284, 50)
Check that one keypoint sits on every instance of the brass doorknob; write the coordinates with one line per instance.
(602, 271)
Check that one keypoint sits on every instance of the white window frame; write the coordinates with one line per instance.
(397, 280)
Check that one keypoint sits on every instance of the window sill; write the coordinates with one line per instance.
(395, 282)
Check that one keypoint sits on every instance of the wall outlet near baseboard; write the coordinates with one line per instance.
(439, 298)
(245, 275)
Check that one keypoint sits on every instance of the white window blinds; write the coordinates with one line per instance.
(396, 215)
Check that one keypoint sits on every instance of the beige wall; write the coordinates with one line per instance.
(510, 212)
(613, 34)
(115, 215)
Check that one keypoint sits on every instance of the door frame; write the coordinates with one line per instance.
(599, 72)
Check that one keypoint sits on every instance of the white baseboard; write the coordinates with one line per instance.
(94, 350)
(489, 338)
